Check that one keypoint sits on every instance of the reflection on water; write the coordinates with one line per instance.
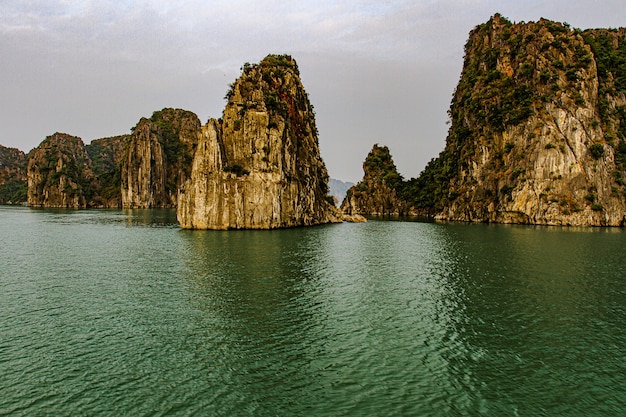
(344, 315)
(252, 285)
(121, 312)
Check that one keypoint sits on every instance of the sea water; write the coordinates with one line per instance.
(110, 312)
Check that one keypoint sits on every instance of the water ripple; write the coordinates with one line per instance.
(121, 313)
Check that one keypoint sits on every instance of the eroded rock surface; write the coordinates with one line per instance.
(259, 166)
(538, 126)
(158, 159)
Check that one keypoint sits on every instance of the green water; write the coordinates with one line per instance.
(122, 313)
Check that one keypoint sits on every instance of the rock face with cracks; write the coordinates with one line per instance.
(158, 158)
(259, 166)
(538, 129)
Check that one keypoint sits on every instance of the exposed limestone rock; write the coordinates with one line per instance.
(59, 173)
(538, 128)
(158, 159)
(259, 167)
(13, 179)
(376, 193)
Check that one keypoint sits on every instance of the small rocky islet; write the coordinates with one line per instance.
(537, 136)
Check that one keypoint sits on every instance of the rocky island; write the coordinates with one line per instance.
(377, 193)
(537, 134)
(259, 166)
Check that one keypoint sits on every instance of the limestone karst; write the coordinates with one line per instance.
(13, 181)
(59, 173)
(106, 156)
(537, 133)
(377, 192)
(64, 172)
(259, 166)
(538, 123)
(158, 158)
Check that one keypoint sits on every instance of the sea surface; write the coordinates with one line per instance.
(122, 313)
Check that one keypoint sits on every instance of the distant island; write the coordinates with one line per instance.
(537, 136)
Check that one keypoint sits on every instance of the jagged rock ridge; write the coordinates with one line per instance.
(259, 167)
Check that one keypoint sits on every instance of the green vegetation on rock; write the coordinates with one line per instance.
(106, 155)
(158, 158)
(13, 182)
(380, 190)
(528, 130)
(510, 72)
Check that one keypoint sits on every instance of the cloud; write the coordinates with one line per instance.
(376, 71)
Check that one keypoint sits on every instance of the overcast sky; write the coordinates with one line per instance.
(376, 71)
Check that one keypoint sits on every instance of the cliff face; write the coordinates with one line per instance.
(538, 123)
(59, 173)
(158, 158)
(106, 156)
(259, 167)
(377, 192)
(13, 179)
